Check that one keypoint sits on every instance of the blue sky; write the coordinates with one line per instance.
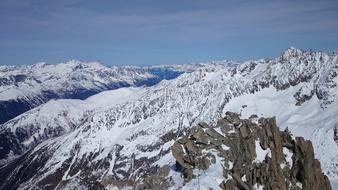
(148, 32)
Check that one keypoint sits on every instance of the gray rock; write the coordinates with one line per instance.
(192, 152)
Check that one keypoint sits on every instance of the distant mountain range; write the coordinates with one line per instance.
(116, 138)
(25, 87)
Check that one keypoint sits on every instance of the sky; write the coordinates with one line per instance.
(151, 32)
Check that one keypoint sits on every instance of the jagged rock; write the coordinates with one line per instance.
(335, 133)
(232, 118)
(199, 135)
(178, 153)
(307, 168)
(261, 155)
(156, 182)
(287, 139)
(229, 185)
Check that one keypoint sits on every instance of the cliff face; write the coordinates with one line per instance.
(245, 153)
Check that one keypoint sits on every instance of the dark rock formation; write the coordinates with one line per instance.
(262, 156)
(335, 133)
(158, 181)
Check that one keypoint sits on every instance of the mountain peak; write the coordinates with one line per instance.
(39, 64)
(291, 52)
(81, 64)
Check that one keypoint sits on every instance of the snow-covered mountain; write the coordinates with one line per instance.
(25, 87)
(116, 138)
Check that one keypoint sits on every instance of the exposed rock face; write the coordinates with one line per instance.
(158, 181)
(335, 133)
(254, 154)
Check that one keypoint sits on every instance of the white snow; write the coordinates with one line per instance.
(288, 157)
(258, 187)
(299, 185)
(225, 147)
(260, 153)
(208, 179)
(134, 117)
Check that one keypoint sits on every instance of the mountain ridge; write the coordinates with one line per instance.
(27, 86)
(131, 139)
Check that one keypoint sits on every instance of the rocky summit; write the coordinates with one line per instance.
(245, 153)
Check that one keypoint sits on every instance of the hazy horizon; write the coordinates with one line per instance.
(145, 65)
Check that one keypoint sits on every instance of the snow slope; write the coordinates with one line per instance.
(55, 118)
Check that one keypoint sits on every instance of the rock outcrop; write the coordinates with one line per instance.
(335, 133)
(253, 153)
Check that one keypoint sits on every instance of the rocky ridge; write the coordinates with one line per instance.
(251, 154)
